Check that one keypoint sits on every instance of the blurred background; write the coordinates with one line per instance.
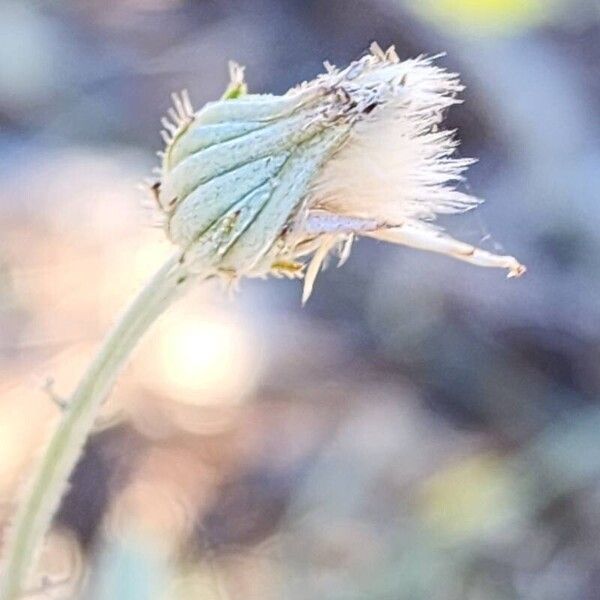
(422, 429)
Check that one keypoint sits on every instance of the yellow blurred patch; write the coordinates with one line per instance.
(473, 496)
(486, 16)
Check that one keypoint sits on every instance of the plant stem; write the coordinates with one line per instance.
(49, 482)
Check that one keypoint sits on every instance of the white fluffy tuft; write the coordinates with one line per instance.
(397, 166)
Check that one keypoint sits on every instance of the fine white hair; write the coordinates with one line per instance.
(397, 164)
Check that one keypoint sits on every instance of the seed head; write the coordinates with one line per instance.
(255, 184)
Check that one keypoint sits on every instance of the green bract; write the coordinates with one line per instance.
(235, 174)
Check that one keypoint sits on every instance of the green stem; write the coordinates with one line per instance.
(42, 497)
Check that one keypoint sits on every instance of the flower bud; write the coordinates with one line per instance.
(252, 183)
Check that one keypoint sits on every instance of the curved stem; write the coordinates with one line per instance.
(42, 497)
